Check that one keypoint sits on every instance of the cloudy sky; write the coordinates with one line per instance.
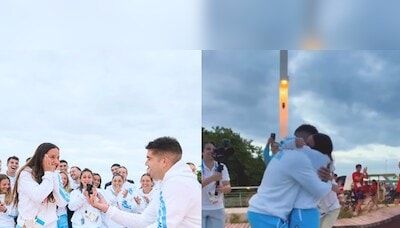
(273, 24)
(198, 24)
(99, 107)
(350, 95)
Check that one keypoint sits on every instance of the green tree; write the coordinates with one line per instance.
(246, 166)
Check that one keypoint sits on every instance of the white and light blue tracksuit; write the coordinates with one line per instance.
(178, 204)
(85, 215)
(7, 218)
(287, 173)
(306, 213)
(33, 206)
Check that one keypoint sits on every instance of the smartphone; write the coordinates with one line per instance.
(89, 189)
(273, 136)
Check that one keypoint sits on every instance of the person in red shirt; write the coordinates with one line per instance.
(397, 195)
(358, 181)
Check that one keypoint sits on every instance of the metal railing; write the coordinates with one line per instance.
(239, 196)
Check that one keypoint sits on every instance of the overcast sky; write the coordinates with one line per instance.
(99, 107)
(92, 24)
(198, 24)
(350, 95)
(274, 24)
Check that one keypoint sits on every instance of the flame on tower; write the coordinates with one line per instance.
(283, 94)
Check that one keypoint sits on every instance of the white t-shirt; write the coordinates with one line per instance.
(209, 200)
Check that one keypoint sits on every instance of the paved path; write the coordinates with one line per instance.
(379, 218)
(385, 217)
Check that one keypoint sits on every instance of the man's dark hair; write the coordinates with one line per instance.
(310, 129)
(12, 157)
(63, 161)
(358, 166)
(115, 164)
(323, 144)
(165, 145)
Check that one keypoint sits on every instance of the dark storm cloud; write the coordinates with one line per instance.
(350, 95)
(239, 89)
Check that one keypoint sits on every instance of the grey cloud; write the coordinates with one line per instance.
(350, 94)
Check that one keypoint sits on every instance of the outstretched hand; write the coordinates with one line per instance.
(96, 200)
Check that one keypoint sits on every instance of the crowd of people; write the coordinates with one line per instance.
(46, 192)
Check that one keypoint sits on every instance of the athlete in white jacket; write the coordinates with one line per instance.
(38, 189)
(112, 195)
(7, 210)
(85, 216)
(146, 193)
(178, 204)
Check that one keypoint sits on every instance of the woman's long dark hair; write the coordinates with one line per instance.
(323, 144)
(36, 164)
(85, 170)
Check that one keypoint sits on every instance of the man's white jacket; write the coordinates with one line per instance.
(178, 204)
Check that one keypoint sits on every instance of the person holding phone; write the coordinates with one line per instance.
(38, 189)
(84, 214)
(274, 149)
